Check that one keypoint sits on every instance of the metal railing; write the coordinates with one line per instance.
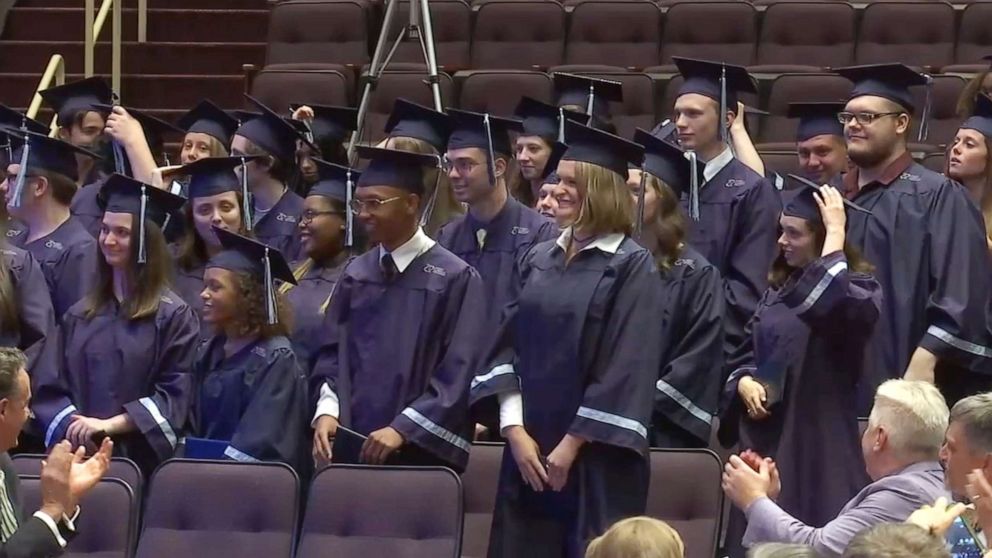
(55, 71)
(93, 27)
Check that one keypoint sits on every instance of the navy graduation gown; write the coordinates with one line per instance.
(509, 236)
(255, 400)
(86, 210)
(810, 338)
(736, 232)
(927, 241)
(309, 300)
(688, 389)
(279, 228)
(68, 259)
(36, 327)
(110, 364)
(402, 354)
(580, 344)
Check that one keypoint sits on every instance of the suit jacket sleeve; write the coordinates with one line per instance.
(33, 538)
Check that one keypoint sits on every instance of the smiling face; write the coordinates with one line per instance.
(321, 228)
(115, 239)
(532, 154)
(822, 157)
(568, 194)
(797, 241)
(547, 205)
(871, 144)
(220, 296)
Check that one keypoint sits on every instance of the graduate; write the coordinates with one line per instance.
(690, 377)
(125, 350)
(208, 132)
(326, 237)
(543, 126)
(27, 320)
(574, 370)
(498, 230)
(793, 390)
(403, 315)
(732, 216)
(274, 208)
(969, 159)
(589, 96)
(216, 201)
(925, 238)
(820, 144)
(251, 391)
(80, 121)
(547, 203)
(325, 137)
(41, 181)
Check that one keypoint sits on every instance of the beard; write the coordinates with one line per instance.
(869, 156)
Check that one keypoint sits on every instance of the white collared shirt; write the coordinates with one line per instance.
(608, 243)
(404, 255)
(716, 164)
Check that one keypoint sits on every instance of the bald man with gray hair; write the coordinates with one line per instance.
(900, 445)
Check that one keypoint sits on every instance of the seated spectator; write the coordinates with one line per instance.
(900, 447)
(782, 550)
(637, 537)
(896, 540)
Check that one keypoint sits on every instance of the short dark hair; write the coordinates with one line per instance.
(12, 361)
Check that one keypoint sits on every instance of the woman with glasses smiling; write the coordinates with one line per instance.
(325, 237)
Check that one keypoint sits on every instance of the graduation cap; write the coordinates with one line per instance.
(73, 97)
(981, 120)
(337, 182)
(803, 205)
(208, 118)
(678, 169)
(597, 147)
(11, 118)
(544, 120)
(331, 123)
(484, 131)
(246, 255)
(665, 130)
(270, 132)
(154, 128)
(892, 82)
(719, 81)
(38, 151)
(590, 93)
(215, 175)
(417, 121)
(816, 119)
(243, 116)
(395, 168)
(550, 175)
(120, 194)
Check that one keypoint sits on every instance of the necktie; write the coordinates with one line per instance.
(480, 236)
(389, 269)
(8, 520)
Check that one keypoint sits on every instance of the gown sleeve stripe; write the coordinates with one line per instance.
(239, 455)
(159, 418)
(436, 429)
(681, 399)
(613, 420)
(56, 422)
(817, 291)
(328, 404)
(496, 371)
(958, 343)
(742, 371)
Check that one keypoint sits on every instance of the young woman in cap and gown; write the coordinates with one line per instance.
(125, 350)
(251, 397)
(687, 390)
(572, 373)
(326, 131)
(969, 159)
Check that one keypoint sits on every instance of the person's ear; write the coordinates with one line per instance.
(501, 166)
(42, 185)
(902, 124)
(4, 407)
(412, 204)
(881, 440)
(65, 133)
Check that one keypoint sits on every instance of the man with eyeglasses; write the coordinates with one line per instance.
(498, 230)
(401, 332)
(925, 238)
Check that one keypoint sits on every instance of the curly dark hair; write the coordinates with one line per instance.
(251, 317)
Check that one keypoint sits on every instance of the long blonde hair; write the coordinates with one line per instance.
(637, 537)
(606, 206)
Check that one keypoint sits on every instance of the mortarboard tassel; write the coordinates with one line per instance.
(119, 160)
(561, 125)
(489, 149)
(589, 103)
(693, 185)
(245, 195)
(21, 173)
(927, 109)
(10, 151)
(425, 215)
(723, 103)
(349, 219)
(270, 294)
(142, 255)
(639, 224)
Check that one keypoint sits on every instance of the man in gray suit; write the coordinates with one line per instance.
(901, 446)
(65, 476)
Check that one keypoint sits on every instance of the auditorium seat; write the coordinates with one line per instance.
(236, 510)
(797, 88)
(685, 492)
(518, 35)
(783, 162)
(944, 121)
(480, 480)
(122, 468)
(974, 39)
(451, 21)
(919, 34)
(724, 31)
(669, 3)
(364, 511)
(408, 84)
(319, 31)
(498, 91)
(608, 32)
(935, 161)
(637, 109)
(805, 36)
(324, 85)
(108, 526)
